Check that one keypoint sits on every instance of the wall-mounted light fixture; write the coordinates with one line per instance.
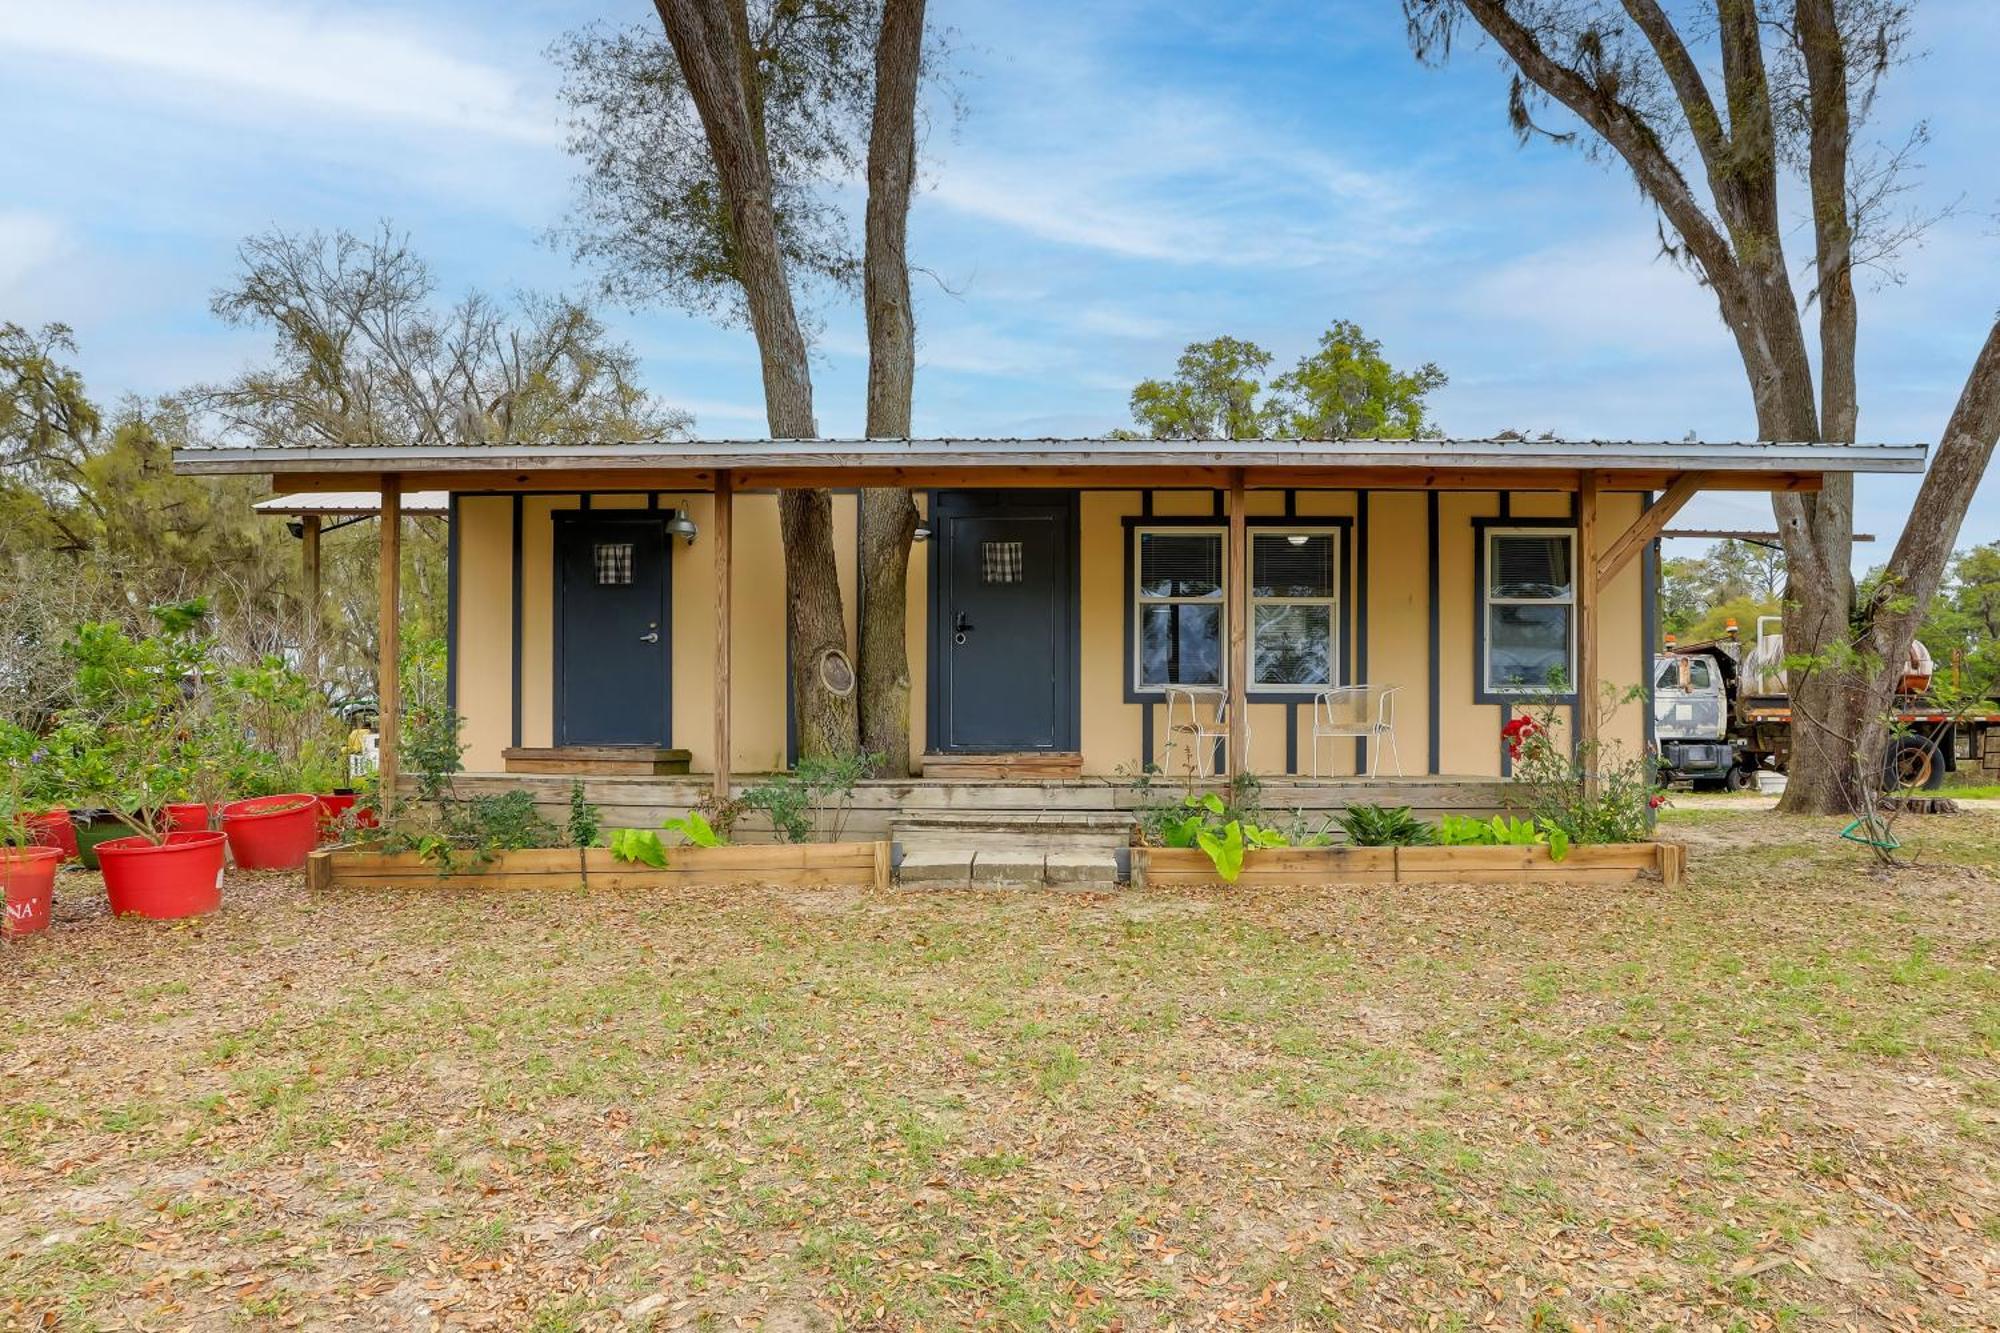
(680, 525)
(922, 534)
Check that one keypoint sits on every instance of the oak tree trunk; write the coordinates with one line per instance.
(889, 516)
(711, 42)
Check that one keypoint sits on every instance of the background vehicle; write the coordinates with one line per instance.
(1721, 714)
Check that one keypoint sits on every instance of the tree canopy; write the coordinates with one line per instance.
(1343, 389)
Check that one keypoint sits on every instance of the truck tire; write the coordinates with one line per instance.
(1914, 764)
(1739, 778)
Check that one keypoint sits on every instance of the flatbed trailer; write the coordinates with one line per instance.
(1929, 740)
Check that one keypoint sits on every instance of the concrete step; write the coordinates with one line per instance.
(936, 866)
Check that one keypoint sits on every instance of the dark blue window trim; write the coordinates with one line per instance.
(1353, 609)
(1480, 527)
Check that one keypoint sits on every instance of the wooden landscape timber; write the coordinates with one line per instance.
(1611, 863)
(785, 865)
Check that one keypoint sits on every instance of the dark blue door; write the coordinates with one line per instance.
(1005, 635)
(612, 630)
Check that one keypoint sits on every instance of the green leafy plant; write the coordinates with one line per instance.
(645, 847)
(583, 819)
(144, 727)
(1592, 793)
(1384, 826)
(817, 793)
(1207, 821)
(638, 846)
(1503, 831)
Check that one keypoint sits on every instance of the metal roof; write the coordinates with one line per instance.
(340, 503)
(969, 453)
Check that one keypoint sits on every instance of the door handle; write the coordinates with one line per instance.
(960, 624)
(654, 637)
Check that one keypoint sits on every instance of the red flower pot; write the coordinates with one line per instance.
(184, 817)
(272, 832)
(179, 877)
(28, 888)
(332, 807)
(52, 828)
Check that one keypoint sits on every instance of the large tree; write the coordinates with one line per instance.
(708, 161)
(363, 352)
(1710, 108)
(1343, 389)
(889, 516)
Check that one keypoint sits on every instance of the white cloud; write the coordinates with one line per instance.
(1599, 293)
(29, 243)
(355, 62)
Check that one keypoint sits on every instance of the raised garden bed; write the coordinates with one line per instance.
(796, 865)
(1165, 867)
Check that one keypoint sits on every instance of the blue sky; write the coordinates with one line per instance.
(1128, 177)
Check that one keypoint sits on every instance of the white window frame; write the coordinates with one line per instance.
(1331, 602)
(1140, 600)
(1487, 601)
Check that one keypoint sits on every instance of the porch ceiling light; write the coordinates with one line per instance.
(680, 525)
(1297, 538)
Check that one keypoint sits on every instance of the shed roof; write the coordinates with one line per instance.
(700, 465)
(340, 504)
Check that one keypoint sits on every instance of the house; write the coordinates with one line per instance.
(1064, 593)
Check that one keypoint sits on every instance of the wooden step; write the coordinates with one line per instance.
(1030, 765)
(650, 761)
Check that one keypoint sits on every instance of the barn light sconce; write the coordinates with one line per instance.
(921, 534)
(680, 525)
(297, 528)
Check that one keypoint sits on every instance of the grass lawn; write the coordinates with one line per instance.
(1771, 1100)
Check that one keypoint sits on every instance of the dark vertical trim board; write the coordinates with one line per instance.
(515, 637)
(1433, 546)
(452, 572)
(1361, 614)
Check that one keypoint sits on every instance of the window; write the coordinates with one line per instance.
(1180, 608)
(1002, 562)
(614, 563)
(1699, 676)
(1177, 607)
(1528, 607)
(1294, 610)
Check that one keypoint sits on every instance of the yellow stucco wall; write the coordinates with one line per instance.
(1388, 558)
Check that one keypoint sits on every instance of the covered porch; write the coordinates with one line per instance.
(1414, 534)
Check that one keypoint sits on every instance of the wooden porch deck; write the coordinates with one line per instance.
(882, 803)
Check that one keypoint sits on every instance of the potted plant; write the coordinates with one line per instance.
(140, 719)
(38, 796)
(27, 867)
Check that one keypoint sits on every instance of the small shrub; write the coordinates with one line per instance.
(1384, 826)
(817, 794)
(583, 818)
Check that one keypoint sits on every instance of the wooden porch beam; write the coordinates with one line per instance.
(389, 637)
(1650, 524)
(1587, 702)
(721, 535)
(1162, 476)
(309, 567)
(1238, 565)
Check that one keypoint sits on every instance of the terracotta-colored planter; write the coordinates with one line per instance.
(272, 832)
(184, 817)
(165, 880)
(28, 888)
(52, 828)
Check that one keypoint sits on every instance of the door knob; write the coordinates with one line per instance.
(654, 637)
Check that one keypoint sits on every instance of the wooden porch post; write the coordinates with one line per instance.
(389, 635)
(1238, 599)
(724, 505)
(309, 526)
(1588, 700)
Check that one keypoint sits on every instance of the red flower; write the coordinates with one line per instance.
(1656, 800)
(1517, 733)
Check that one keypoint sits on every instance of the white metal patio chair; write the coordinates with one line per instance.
(1198, 718)
(1364, 711)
